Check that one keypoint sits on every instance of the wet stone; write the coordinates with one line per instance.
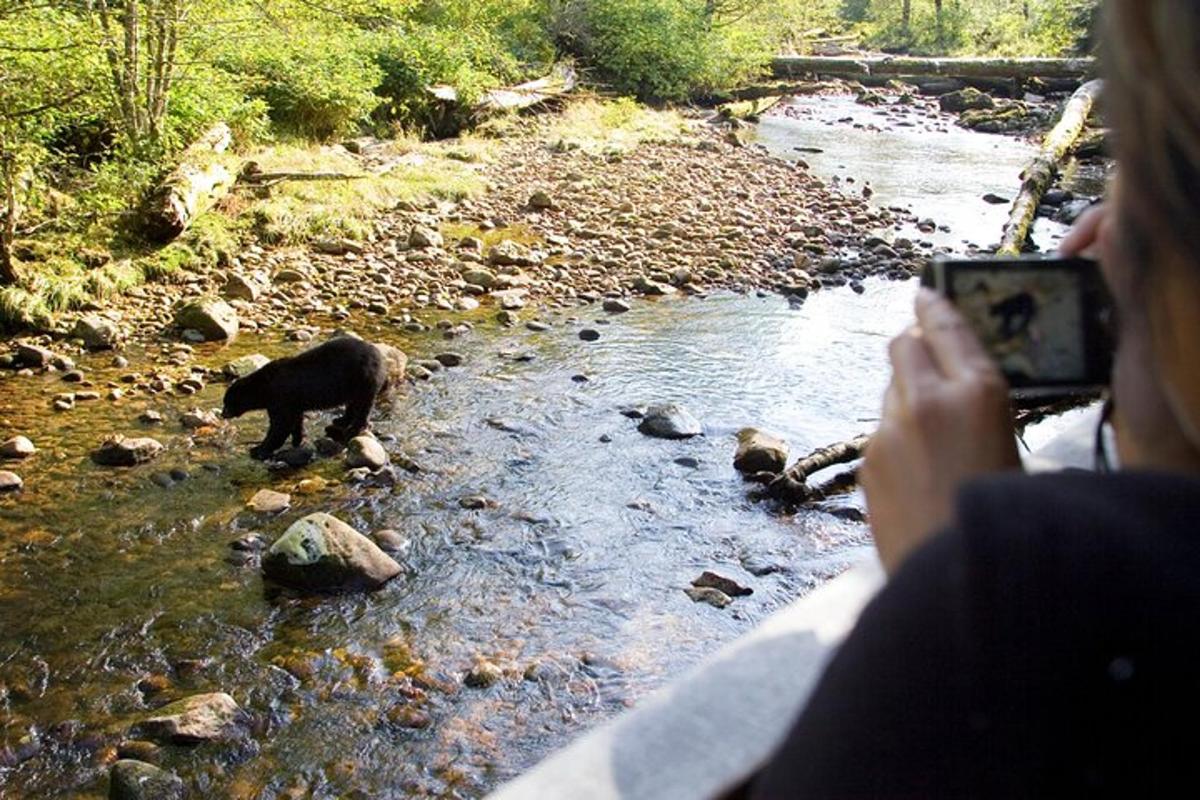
(725, 585)
(365, 451)
(130, 779)
(322, 553)
(714, 597)
(266, 501)
(392, 541)
(198, 418)
(760, 452)
(449, 359)
(483, 674)
(10, 482)
(589, 335)
(119, 451)
(670, 421)
(614, 306)
(200, 718)
(241, 367)
(150, 418)
(140, 750)
(17, 447)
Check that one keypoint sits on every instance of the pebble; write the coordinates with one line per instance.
(589, 335)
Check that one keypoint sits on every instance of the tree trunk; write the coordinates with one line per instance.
(9, 275)
(897, 66)
(1039, 175)
(199, 181)
(792, 486)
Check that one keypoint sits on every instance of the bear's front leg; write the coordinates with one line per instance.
(298, 431)
(281, 426)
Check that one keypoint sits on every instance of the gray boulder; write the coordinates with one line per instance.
(365, 451)
(322, 553)
(760, 452)
(119, 451)
(670, 421)
(137, 780)
(97, 332)
(213, 717)
(213, 318)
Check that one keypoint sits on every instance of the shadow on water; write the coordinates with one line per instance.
(570, 580)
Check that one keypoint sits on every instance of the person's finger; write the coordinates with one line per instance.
(1084, 233)
(954, 347)
(913, 366)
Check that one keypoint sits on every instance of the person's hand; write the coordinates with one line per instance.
(946, 420)
(1084, 237)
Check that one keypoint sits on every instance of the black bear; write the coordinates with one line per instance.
(342, 372)
(1017, 312)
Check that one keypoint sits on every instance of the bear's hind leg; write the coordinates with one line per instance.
(298, 431)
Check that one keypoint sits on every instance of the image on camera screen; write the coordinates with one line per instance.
(1031, 321)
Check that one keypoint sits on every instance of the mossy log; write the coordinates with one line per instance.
(749, 110)
(792, 486)
(1039, 175)
(199, 181)
(898, 66)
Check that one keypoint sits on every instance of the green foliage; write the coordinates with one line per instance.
(669, 49)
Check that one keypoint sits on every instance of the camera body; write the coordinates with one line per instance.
(1048, 322)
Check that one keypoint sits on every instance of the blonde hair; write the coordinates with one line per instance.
(1152, 98)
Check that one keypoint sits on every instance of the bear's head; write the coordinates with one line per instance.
(239, 398)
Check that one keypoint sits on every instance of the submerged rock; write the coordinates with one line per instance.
(760, 452)
(483, 674)
(670, 421)
(266, 501)
(211, 317)
(322, 553)
(213, 717)
(119, 451)
(137, 780)
(706, 594)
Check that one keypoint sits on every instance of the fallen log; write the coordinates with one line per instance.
(792, 486)
(1039, 175)
(199, 181)
(898, 66)
(749, 110)
(454, 116)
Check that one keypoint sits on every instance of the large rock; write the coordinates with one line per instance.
(243, 287)
(119, 451)
(10, 482)
(322, 553)
(17, 447)
(670, 421)
(480, 277)
(396, 361)
(968, 99)
(760, 452)
(241, 367)
(365, 451)
(32, 355)
(511, 254)
(137, 780)
(97, 333)
(211, 317)
(213, 717)
(421, 237)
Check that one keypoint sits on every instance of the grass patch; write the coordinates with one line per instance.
(296, 212)
(614, 126)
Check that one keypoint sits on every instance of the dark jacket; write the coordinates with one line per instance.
(1046, 647)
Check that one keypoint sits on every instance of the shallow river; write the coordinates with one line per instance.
(577, 568)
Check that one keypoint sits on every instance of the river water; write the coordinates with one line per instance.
(573, 575)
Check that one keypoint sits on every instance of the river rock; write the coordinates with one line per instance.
(266, 501)
(589, 335)
(137, 780)
(33, 356)
(212, 318)
(421, 237)
(968, 99)
(97, 332)
(706, 594)
(541, 200)
(615, 306)
(365, 451)
(760, 452)
(198, 418)
(242, 287)
(396, 362)
(119, 451)
(10, 482)
(320, 552)
(483, 674)
(511, 254)
(241, 367)
(200, 718)
(722, 584)
(392, 541)
(449, 359)
(480, 277)
(670, 421)
(17, 447)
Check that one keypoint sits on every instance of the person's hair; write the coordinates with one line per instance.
(1152, 100)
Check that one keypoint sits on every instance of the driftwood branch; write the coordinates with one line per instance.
(1039, 175)
(896, 66)
(792, 486)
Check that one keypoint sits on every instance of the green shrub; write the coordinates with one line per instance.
(669, 49)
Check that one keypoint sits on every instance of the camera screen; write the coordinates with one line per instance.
(1032, 321)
